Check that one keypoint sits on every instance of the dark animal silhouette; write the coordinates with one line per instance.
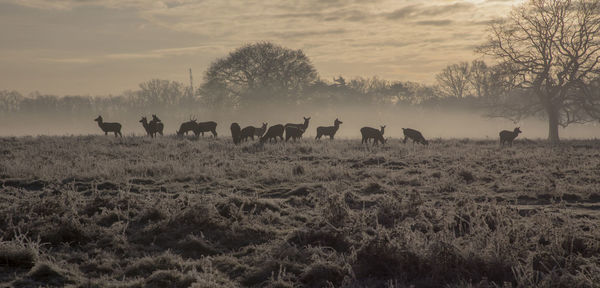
(109, 127)
(293, 132)
(186, 127)
(273, 132)
(157, 125)
(328, 130)
(209, 126)
(303, 126)
(235, 133)
(508, 136)
(248, 132)
(414, 135)
(259, 132)
(372, 133)
(151, 128)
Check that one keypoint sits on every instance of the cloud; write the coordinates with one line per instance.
(434, 22)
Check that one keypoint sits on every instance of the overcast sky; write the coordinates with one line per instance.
(93, 47)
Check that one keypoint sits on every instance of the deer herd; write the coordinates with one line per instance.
(292, 131)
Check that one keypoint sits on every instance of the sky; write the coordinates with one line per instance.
(93, 47)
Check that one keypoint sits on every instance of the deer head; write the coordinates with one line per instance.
(99, 119)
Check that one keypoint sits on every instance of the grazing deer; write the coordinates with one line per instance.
(109, 127)
(508, 136)
(235, 133)
(157, 125)
(273, 132)
(302, 126)
(259, 132)
(209, 126)
(293, 132)
(372, 133)
(414, 135)
(248, 132)
(328, 130)
(186, 127)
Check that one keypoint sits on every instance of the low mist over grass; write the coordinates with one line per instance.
(96, 211)
(433, 123)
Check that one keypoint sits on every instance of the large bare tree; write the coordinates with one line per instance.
(552, 48)
(258, 74)
(454, 80)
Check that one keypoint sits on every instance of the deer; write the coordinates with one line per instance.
(273, 132)
(151, 128)
(235, 133)
(328, 130)
(293, 132)
(109, 127)
(508, 136)
(209, 126)
(372, 133)
(259, 132)
(185, 127)
(302, 126)
(414, 135)
(157, 125)
(248, 132)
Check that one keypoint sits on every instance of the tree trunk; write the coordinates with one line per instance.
(553, 126)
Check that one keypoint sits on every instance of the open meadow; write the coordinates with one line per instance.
(96, 211)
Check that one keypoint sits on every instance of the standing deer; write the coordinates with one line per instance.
(414, 135)
(508, 136)
(328, 130)
(157, 125)
(259, 132)
(109, 127)
(248, 132)
(293, 132)
(235, 133)
(303, 126)
(151, 128)
(372, 133)
(273, 132)
(209, 126)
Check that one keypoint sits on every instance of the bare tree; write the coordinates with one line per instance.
(479, 78)
(259, 73)
(552, 49)
(454, 80)
(157, 93)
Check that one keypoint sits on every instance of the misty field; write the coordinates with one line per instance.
(95, 211)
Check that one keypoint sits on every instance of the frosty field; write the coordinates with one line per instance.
(95, 211)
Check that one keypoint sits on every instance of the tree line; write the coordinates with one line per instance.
(546, 63)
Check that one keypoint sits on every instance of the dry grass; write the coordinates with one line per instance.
(135, 212)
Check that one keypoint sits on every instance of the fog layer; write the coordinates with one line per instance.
(433, 123)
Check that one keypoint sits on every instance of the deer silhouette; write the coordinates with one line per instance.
(151, 128)
(109, 127)
(273, 132)
(508, 136)
(293, 132)
(186, 127)
(209, 126)
(372, 133)
(259, 132)
(303, 126)
(328, 130)
(414, 135)
(235, 133)
(157, 125)
(248, 132)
